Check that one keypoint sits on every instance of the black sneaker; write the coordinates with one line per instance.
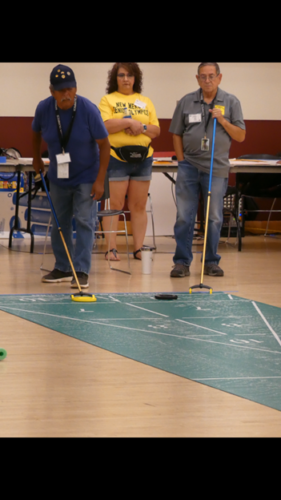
(180, 271)
(83, 280)
(213, 270)
(57, 276)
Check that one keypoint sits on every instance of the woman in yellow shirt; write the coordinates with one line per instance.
(131, 122)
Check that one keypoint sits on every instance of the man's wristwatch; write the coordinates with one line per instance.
(144, 129)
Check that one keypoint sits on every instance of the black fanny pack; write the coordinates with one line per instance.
(131, 154)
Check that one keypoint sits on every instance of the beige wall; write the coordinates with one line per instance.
(23, 85)
(256, 85)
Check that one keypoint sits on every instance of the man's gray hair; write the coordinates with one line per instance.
(209, 64)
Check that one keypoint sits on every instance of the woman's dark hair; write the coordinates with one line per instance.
(132, 68)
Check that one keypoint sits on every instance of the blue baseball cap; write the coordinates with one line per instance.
(62, 77)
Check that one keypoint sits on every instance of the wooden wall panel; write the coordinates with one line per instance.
(263, 136)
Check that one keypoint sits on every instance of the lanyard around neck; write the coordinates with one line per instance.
(64, 139)
(203, 110)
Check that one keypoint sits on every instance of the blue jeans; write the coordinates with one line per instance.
(78, 202)
(122, 171)
(189, 180)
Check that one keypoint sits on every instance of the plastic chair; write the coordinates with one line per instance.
(230, 213)
(258, 186)
(149, 210)
(107, 212)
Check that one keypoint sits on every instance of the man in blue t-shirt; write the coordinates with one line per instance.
(79, 153)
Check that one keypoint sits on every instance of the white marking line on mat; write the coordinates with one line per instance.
(225, 318)
(147, 310)
(231, 298)
(115, 300)
(237, 378)
(138, 330)
(94, 322)
(143, 318)
(198, 326)
(267, 324)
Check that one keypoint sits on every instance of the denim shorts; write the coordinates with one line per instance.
(122, 171)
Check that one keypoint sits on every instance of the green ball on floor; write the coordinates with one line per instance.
(3, 354)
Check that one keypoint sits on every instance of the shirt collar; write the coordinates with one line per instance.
(219, 97)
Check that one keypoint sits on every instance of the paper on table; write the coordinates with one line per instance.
(241, 162)
(164, 159)
(25, 161)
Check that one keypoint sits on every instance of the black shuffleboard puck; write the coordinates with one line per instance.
(166, 297)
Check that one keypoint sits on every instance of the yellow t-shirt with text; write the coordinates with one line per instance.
(112, 106)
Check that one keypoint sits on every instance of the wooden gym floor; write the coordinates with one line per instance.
(56, 386)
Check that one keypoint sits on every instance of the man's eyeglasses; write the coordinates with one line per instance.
(122, 75)
(204, 77)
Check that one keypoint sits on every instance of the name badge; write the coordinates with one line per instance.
(140, 104)
(63, 165)
(197, 118)
(205, 144)
(63, 158)
(222, 108)
(63, 171)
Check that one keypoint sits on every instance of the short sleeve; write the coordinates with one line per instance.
(105, 109)
(153, 120)
(237, 115)
(36, 123)
(97, 127)
(177, 124)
